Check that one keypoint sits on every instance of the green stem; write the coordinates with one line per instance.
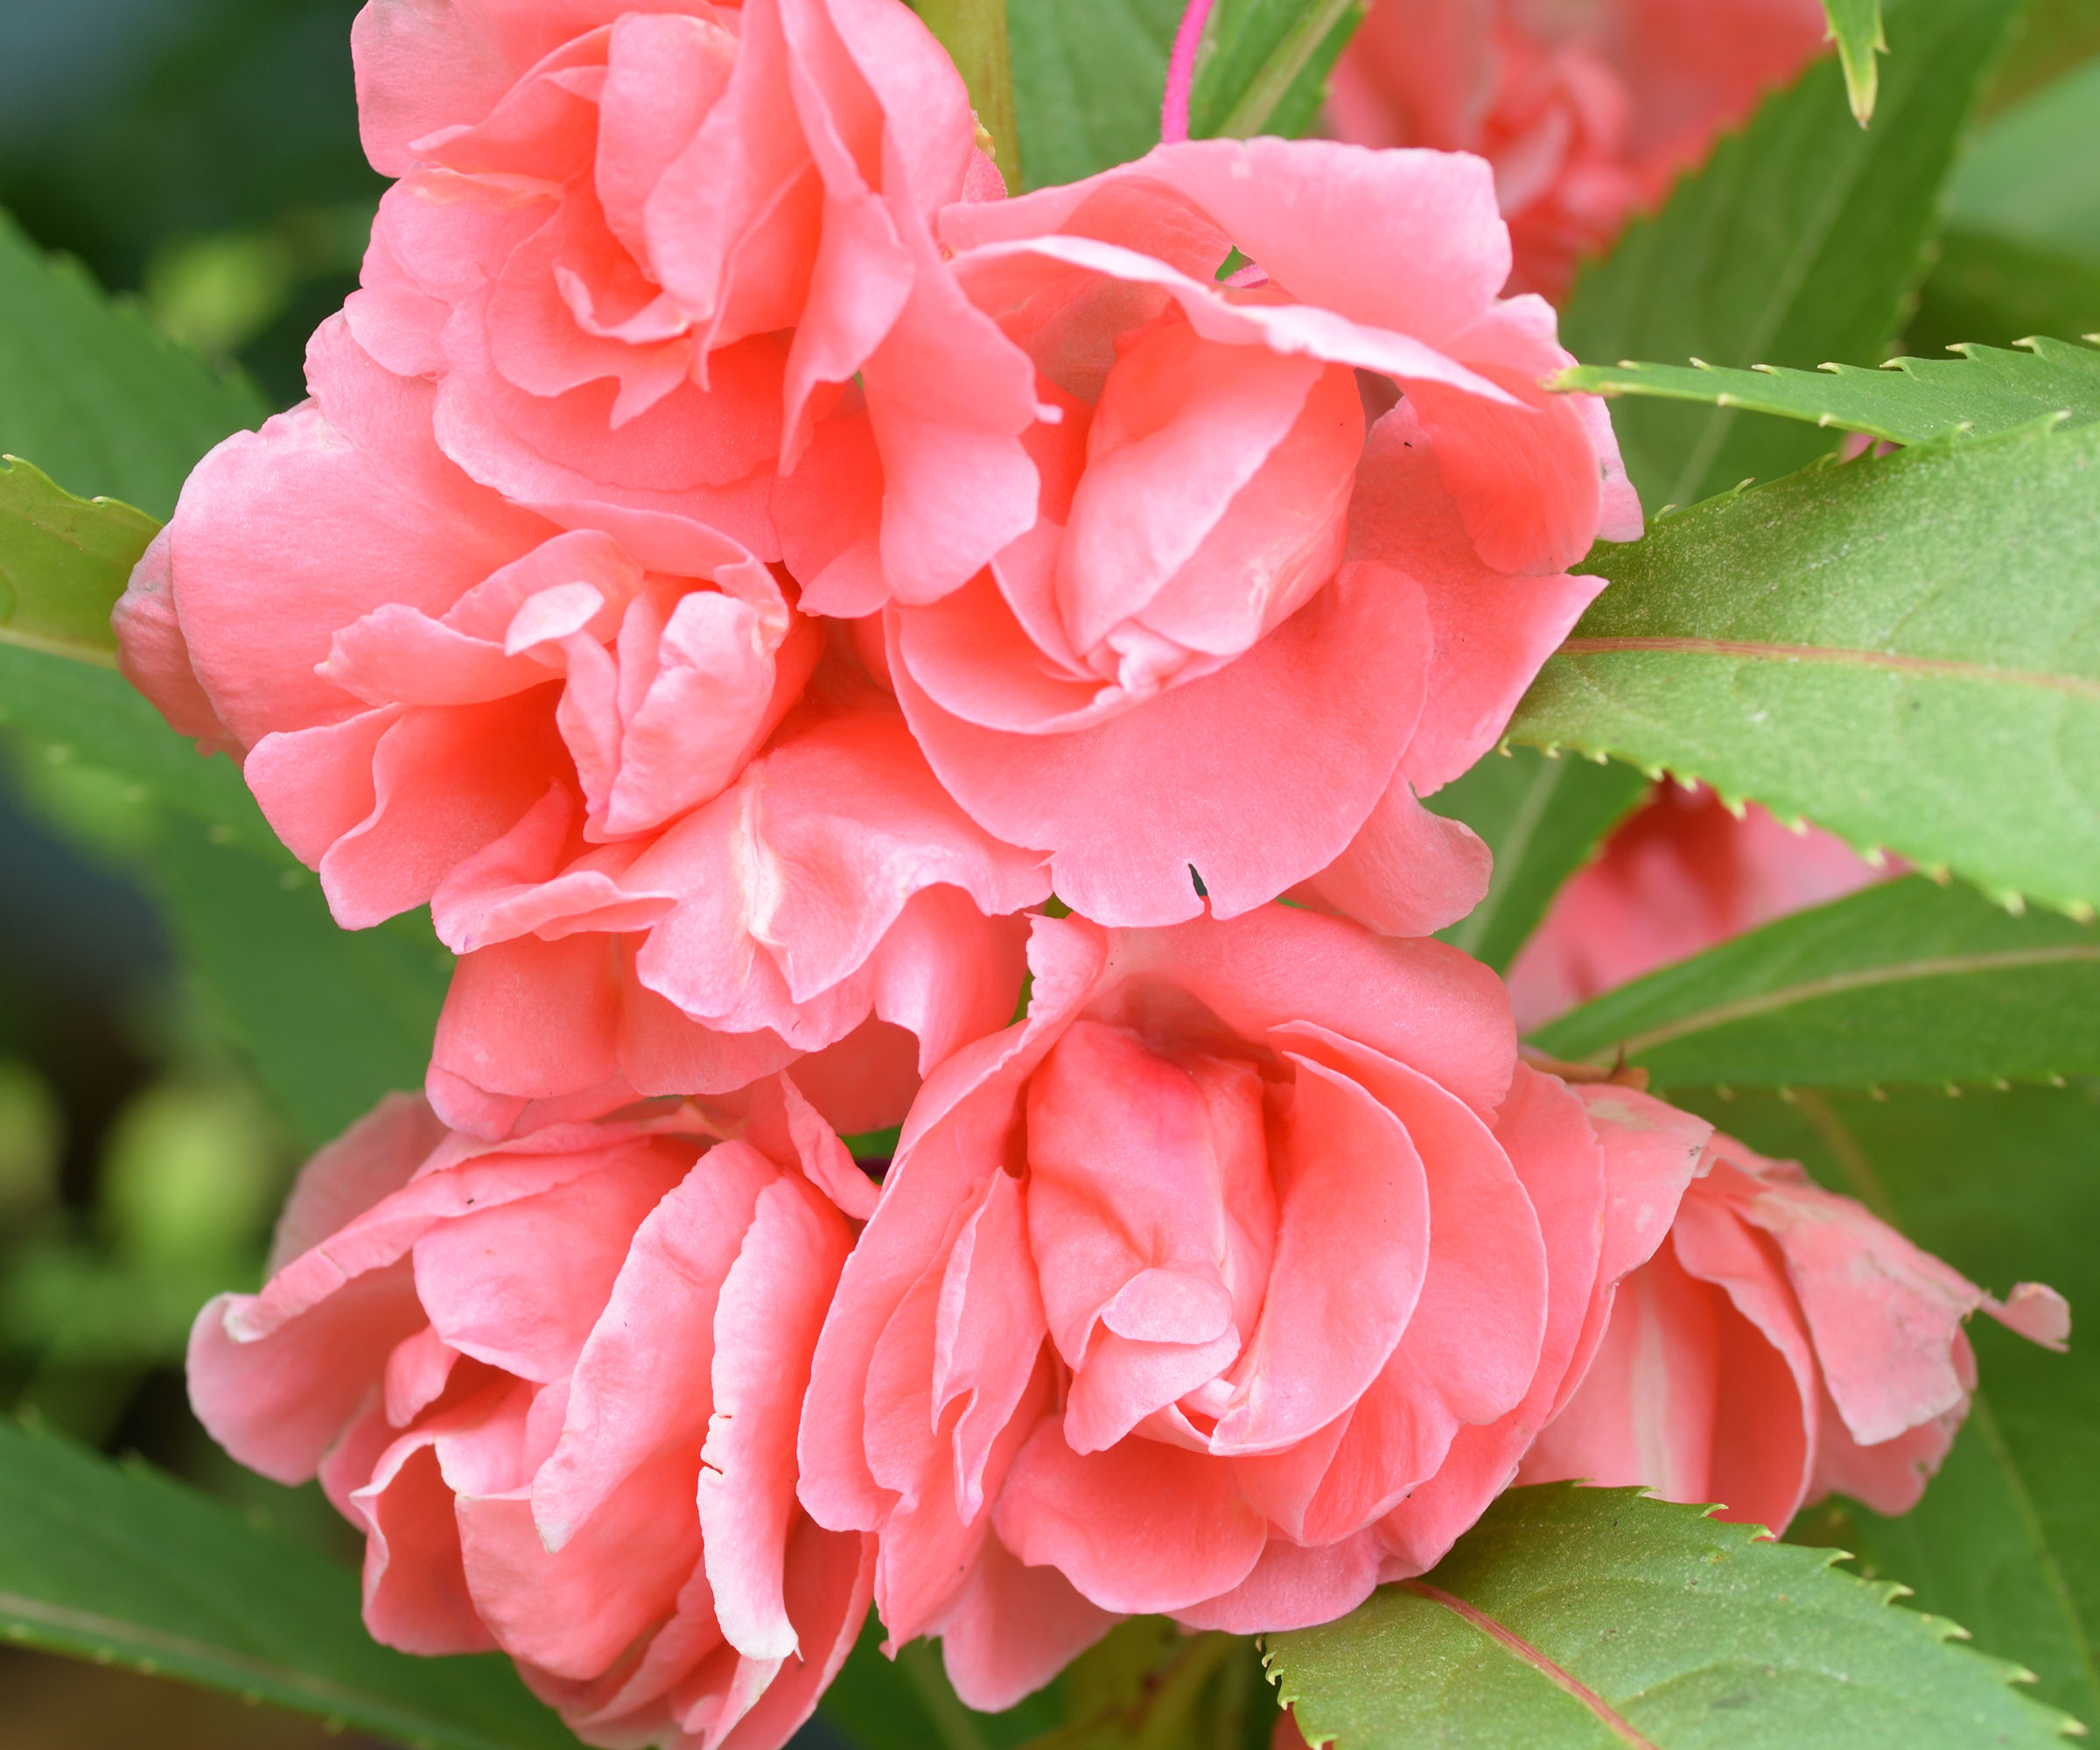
(974, 34)
(1272, 84)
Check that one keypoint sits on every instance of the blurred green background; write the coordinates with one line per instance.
(202, 157)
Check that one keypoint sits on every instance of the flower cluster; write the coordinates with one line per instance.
(734, 565)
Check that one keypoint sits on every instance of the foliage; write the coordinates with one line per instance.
(120, 1563)
(1578, 1619)
(1903, 650)
(63, 563)
(1794, 244)
(1544, 818)
(1090, 75)
(1902, 982)
(93, 396)
(1857, 25)
(1909, 401)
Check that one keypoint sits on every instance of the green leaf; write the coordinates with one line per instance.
(1857, 26)
(329, 1018)
(1909, 400)
(122, 1565)
(1544, 818)
(64, 560)
(91, 394)
(1090, 75)
(1900, 982)
(2030, 174)
(1905, 650)
(2001, 1185)
(1796, 243)
(1266, 64)
(1581, 1619)
(1997, 291)
(1089, 79)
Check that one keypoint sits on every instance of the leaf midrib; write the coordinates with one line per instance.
(1838, 983)
(1755, 650)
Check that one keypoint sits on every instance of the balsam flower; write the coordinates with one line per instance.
(1204, 558)
(1235, 1278)
(556, 1385)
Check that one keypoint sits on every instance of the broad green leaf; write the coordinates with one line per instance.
(2006, 1186)
(2030, 175)
(93, 396)
(1997, 291)
(1796, 243)
(1900, 982)
(122, 1565)
(1857, 26)
(1581, 1619)
(330, 1019)
(1905, 650)
(1265, 64)
(1542, 818)
(1909, 400)
(64, 560)
(1089, 79)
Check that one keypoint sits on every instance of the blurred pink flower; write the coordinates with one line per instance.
(555, 1384)
(1783, 1345)
(1680, 875)
(1235, 1278)
(1588, 109)
(1199, 569)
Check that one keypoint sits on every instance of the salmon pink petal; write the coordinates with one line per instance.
(772, 1303)
(1292, 1587)
(1407, 871)
(286, 534)
(279, 1403)
(371, 1160)
(1138, 1528)
(633, 1393)
(153, 654)
(572, 1612)
(1014, 1629)
(520, 1285)
(1492, 632)
(1882, 1314)
(415, 1595)
(1125, 807)
(1351, 1249)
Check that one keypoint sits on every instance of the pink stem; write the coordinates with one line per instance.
(1182, 73)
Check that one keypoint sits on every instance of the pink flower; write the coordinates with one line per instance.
(555, 1384)
(559, 746)
(1178, 573)
(1235, 1278)
(638, 246)
(1784, 1344)
(1680, 875)
(1588, 112)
